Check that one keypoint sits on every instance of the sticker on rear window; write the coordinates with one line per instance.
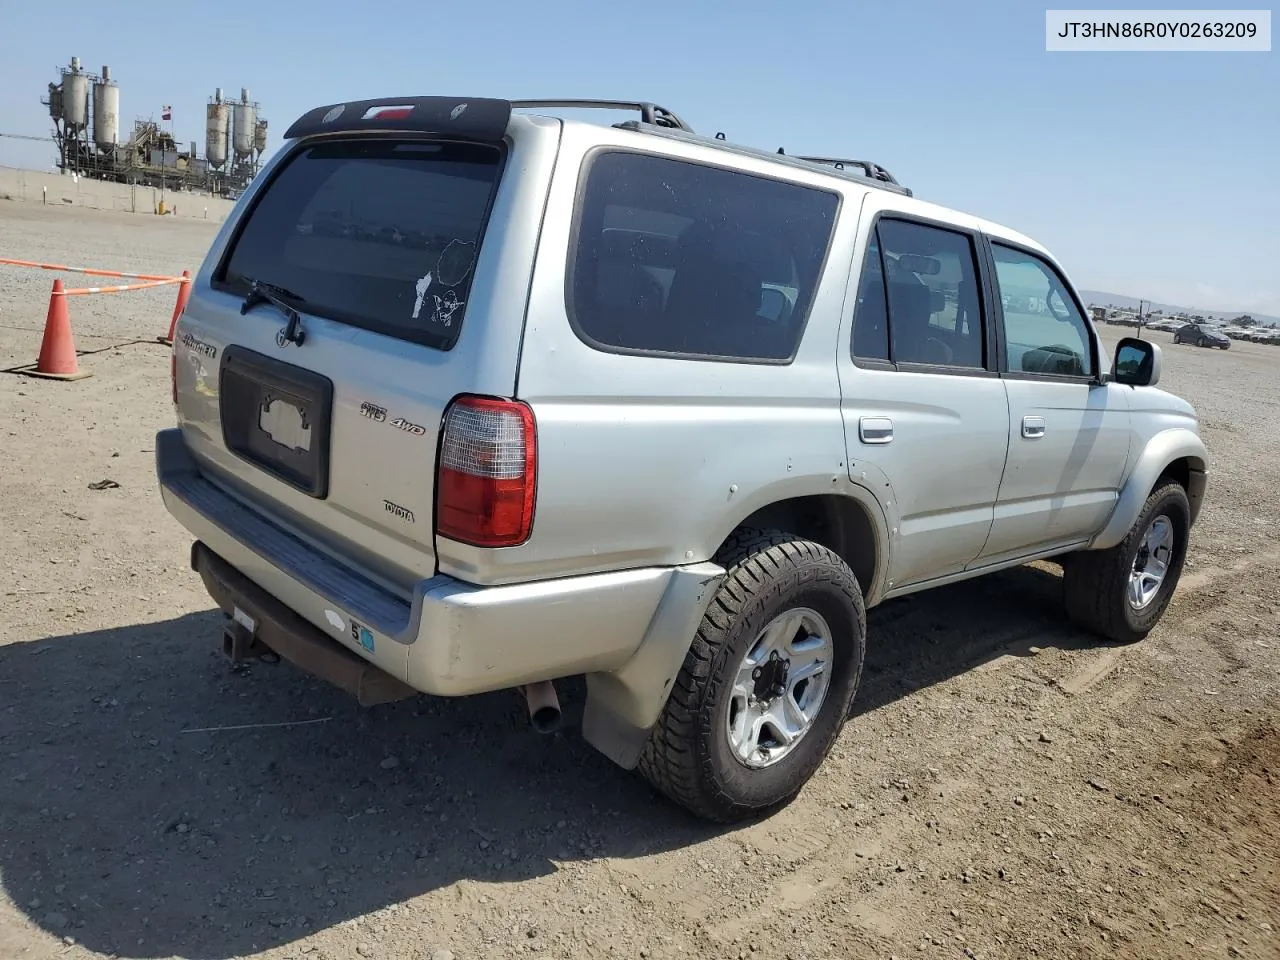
(446, 307)
(452, 267)
(455, 262)
(423, 284)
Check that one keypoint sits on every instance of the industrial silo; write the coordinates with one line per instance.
(215, 131)
(260, 136)
(106, 112)
(243, 133)
(75, 96)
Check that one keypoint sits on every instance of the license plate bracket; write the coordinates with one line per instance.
(277, 416)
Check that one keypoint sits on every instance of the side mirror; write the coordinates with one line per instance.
(1137, 363)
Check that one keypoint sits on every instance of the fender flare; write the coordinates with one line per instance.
(1161, 450)
(624, 704)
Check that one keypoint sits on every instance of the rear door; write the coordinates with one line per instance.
(385, 245)
(923, 406)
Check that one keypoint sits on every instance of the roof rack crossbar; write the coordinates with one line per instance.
(650, 113)
(873, 170)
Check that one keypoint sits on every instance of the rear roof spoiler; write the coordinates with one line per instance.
(485, 120)
(470, 119)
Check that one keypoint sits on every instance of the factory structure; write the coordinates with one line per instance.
(85, 109)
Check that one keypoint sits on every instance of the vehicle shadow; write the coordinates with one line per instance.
(923, 639)
(130, 826)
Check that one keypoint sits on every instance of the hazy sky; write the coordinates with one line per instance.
(1155, 175)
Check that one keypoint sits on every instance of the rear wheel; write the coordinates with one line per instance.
(767, 683)
(1122, 592)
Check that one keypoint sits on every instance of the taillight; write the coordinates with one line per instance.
(488, 473)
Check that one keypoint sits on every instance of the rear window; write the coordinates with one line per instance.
(674, 257)
(378, 234)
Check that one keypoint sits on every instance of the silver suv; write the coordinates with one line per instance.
(472, 397)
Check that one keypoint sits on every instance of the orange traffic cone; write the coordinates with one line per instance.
(58, 360)
(184, 293)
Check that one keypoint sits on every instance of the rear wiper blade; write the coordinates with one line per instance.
(263, 292)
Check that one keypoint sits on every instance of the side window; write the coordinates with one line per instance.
(1044, 331)
(679, 258)
(918, 298)
(871, 311)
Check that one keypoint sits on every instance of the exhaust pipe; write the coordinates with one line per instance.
(544, 706)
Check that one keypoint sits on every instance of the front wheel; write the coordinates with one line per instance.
(1122, 592)
(767, 683)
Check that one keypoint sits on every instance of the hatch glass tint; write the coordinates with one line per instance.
(377, 233)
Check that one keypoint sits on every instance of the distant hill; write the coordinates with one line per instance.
(1100, 298)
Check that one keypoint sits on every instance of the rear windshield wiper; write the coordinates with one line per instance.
(263, 292)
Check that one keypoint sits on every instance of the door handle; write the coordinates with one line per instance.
(1033, 427)
(875, 429)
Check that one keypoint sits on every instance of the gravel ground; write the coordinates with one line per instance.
(1009, 788)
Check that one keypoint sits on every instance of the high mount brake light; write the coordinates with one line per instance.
(488, 472)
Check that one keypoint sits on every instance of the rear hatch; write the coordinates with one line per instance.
(334, 312)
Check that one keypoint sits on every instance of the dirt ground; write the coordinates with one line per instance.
(1010, 787)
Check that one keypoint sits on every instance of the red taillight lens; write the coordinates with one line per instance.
(488, 473)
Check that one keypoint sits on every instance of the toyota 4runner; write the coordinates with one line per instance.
(473, 397)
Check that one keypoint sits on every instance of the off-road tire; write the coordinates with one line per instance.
(1094, 581)
(687, 757)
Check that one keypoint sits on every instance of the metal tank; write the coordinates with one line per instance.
(260, 136)
(106, 112)
(215, 131)
(75, 95)
(245, 113)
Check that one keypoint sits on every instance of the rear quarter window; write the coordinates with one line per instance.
(678, 258)
(379, 234)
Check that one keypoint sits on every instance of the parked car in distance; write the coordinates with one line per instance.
(1201, 336)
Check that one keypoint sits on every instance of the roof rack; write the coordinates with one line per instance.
(650, 113)
(873, 170)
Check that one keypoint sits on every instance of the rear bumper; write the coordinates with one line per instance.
(445, 637)
(280, 629)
